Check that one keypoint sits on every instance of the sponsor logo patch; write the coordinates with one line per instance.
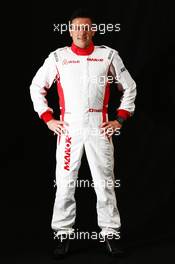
(67, 153)
(123, 69)
(65, 62)
(94, 59)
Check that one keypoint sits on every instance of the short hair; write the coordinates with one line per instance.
(82, 12)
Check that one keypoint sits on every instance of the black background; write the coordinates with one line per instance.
(144, 152)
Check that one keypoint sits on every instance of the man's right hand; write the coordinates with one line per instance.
(57, 126)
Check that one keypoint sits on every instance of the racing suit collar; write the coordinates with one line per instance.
(83, 51)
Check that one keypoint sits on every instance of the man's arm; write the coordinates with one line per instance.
(41, 82)
(38, 91)
(128, 86)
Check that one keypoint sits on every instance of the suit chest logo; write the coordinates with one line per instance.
(66, 62)
(67, 152)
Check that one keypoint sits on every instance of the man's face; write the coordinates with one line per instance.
(81, 32)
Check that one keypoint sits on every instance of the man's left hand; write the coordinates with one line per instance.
(110, 127)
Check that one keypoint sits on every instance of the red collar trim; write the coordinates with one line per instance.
(81, 51)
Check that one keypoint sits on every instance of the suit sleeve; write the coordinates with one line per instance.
(41, 82)
(119, 72)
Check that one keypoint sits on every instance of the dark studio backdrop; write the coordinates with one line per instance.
(144, 152)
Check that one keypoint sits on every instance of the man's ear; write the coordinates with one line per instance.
(93, 33)
(94, 29)
(70, 32)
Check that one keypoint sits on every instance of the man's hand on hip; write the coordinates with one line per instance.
(57, 126)
(110, 127)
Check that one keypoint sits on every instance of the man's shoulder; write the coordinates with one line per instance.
(56, 53)
(107, 48)
(106, 51)
(59, 50)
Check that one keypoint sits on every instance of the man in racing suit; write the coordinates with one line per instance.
(83, 100)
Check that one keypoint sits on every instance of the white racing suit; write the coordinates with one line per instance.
(83, 88)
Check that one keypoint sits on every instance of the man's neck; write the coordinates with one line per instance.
(83, 51)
